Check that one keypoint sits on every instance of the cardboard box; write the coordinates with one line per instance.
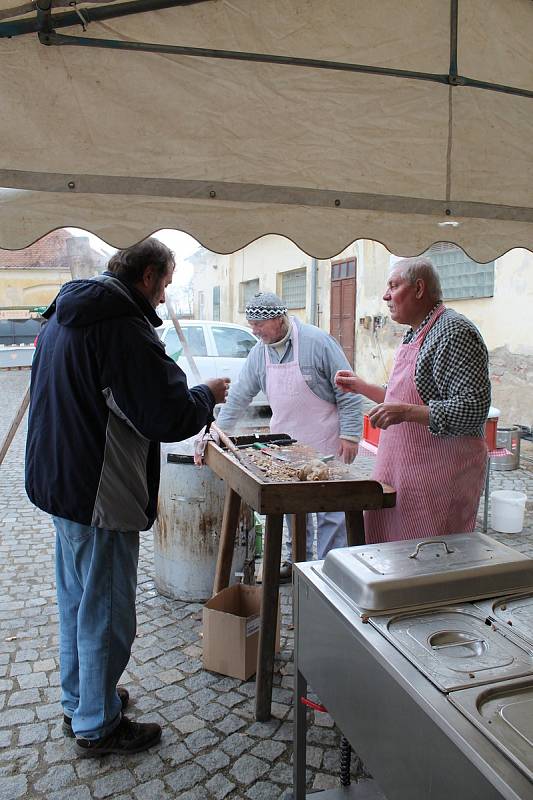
(231, 631)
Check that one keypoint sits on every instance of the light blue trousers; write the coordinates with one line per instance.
(330, 533)
(96, 576)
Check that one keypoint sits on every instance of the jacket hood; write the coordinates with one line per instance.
(86, 302)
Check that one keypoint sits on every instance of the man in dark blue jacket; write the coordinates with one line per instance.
(103, 396)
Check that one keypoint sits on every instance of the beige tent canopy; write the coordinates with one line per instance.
(404, 121)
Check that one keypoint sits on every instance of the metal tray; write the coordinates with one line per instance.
(455, 648)
(504, 713)
(515, 612)
(421, 573)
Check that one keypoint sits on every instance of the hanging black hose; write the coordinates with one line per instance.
(346, 757)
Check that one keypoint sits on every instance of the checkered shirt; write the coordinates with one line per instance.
(452, 375)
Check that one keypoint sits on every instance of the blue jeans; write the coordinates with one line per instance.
(330, 533)
(96, 575)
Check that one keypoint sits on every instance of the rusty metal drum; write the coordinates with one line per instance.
(187, 531)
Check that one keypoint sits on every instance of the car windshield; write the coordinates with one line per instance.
(232, 342)
(194, 336)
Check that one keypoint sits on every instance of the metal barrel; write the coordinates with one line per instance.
(187, 531)
(508, 439)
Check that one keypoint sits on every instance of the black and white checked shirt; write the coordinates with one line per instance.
(452, 375)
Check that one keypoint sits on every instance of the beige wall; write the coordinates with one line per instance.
(25, 287)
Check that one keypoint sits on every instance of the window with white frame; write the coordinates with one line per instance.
(461, 278)
(247, 289)
(293, 287)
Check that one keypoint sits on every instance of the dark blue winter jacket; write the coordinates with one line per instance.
(103, 395)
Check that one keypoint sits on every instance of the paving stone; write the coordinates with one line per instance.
(269, 750)
(113, 783)
(81, 793)
(236, 744)
(186, 777)
(176, 710)
(214, 761)
(212, 712)
(5, 738)
(281, 773)
(29, 734)
(203, 696)
(152, 790)
(323, 781)
(150, 765)
(175, 754)
(263, 790)
(13, 787)
(264, 730)
(16, 716)
(230, 724)
(230, 699)
(219, 787)
(189, 724)
(198, 793)
(201, 739)
(248, 769)
(56, 778)
(24, 698)
(171, 693)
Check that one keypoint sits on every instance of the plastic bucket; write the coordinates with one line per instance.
(507, 511)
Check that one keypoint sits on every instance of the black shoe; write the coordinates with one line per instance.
(124, 697)
(285, 572)
(128, 737)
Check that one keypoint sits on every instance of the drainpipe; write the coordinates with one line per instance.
(314, 283)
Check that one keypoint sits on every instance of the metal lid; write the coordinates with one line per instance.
(419, 573)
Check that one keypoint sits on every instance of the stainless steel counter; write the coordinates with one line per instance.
(415, 742)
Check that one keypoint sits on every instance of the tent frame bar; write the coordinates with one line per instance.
(257, 193)
(268, 58)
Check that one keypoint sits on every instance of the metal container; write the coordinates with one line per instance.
(516, 612)
(187, 531)
(508, 439)
(420, 573)
(455, 648)
(504, 713)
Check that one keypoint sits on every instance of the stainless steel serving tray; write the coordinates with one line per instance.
(515, 612)
(504, 713)
(455, 648)
(420, 573)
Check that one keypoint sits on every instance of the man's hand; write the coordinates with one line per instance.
(386, 414)
(347, 381)
(347, 450)
(219, 388)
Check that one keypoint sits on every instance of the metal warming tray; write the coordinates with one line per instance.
(423, 573)
(516, 612)
(455, 648)
(504, 713)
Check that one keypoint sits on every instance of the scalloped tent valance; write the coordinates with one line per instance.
(405, 122)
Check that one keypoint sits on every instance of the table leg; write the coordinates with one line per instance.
(269, 616)
(486, 499)
(230, 520)
(299, 537)
(355, 528)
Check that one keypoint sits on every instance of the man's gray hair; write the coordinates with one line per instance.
(421, 267)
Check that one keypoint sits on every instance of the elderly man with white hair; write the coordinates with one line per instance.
(432, 413)
(295, 365)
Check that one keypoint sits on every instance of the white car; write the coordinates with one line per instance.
(218, 348)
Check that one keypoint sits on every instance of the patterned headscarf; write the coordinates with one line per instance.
(265, 305)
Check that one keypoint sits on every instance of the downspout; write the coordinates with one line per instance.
(314, 283)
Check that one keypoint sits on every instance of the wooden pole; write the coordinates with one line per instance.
(4, 447)
(186, 349)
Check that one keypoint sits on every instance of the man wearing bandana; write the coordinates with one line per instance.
(295, 364)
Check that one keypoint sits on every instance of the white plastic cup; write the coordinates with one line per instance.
(507, 511)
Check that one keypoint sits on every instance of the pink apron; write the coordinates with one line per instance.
(297, 410)
(438, 480)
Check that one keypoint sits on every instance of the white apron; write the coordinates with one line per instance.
(297, 410)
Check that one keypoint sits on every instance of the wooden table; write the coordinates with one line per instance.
(276, 499)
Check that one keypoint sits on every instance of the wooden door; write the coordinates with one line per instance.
(342, 316)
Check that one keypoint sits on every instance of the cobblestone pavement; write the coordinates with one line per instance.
(212, 748)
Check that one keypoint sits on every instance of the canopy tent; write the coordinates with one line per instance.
(404, 121)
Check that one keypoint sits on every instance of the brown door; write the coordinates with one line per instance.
(342, 316)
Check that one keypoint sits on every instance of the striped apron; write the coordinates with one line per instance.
(438, 479)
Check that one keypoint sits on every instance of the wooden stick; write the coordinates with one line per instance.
(224, 438)
(185, 344)
(14, 425)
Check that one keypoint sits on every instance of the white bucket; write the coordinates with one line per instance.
(507, 511)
